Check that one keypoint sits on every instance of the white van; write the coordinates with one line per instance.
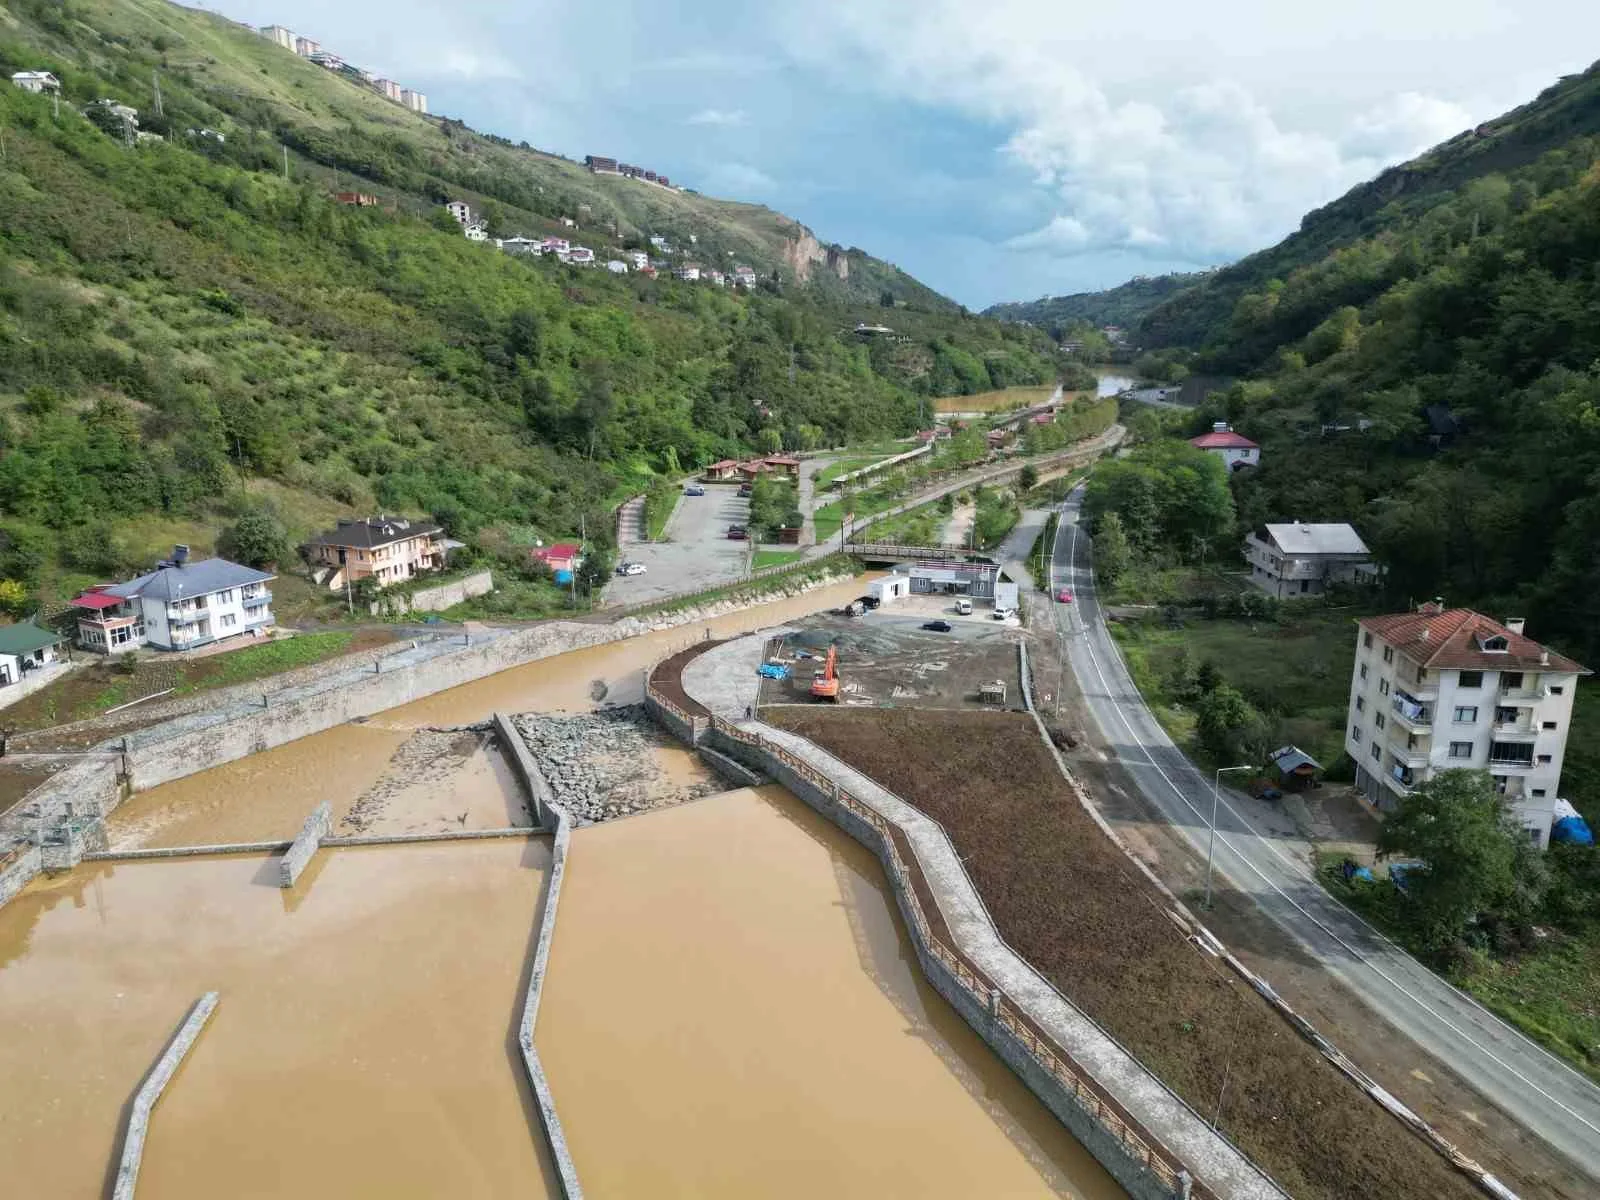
(964, 607)
(1004, 614)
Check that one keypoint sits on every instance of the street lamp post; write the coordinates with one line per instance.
(1211, 840)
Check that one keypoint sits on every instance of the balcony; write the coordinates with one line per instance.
(1414, 757)
(1401, 779)
(1410, 712)
(1514, 756)
(258, 616)
(262, 596)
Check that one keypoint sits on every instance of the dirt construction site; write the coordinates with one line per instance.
(888, 660)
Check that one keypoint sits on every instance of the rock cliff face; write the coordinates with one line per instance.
(802, 251)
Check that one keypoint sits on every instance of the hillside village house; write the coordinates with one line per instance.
(1440, 688)
(25, 648)
(561, 557)
(616, 266)
(461, 211)
(1303, 559)
(1234, 449)
(476, 233)
(581, 255)
(721, 472)
(638, 259)
(36, 81)
(385, 549)
(178, 606)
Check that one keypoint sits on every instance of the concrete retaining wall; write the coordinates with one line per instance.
(437, 598)
(1137, 1179)
(150, 1091)
(527, 770)
(731, 770)
(18, 873)
(318, 826)
(561, 824)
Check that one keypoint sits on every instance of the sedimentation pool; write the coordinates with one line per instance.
(733, 1006)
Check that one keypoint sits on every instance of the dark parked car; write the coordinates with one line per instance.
(738, 533)
(745, 489)
(937, 626)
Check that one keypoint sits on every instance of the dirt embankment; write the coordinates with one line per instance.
(1070, 901)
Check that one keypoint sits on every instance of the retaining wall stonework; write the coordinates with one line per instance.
(318, 826)
(439, 597)
(19, 872)
(155, 1083)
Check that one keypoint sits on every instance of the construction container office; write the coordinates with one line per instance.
(951, 578)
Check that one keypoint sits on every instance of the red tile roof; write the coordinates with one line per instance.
(1451, 640)
(556, 551)
(96, 599)
(1223, 440)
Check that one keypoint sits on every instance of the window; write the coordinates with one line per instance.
(1505, 716)
(1544, 760)
(1538, 793)
(1363, 670)
(1556, 689)
(1366, 640)
(1379, 720)
(1519, 753)
(1549, 724)
(229, 620)
(1383, 687)
(1533, 833)
(1377, 750)
(1471, 679)
(1361, 704)
(1355, 734)
(1495, 644)
(1460, 749)
(1388, 654)
(1466, 714)
(225, 596)
(1510, 680)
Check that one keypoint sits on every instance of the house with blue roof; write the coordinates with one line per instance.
(181, 605)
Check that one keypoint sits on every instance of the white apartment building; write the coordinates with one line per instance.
(1441, 688)
(178, 606)
(415, 101)
(36, 81)
(279, 35)
(1298, 559)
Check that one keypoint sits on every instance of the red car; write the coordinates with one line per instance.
(1064, 596)
(737, 533)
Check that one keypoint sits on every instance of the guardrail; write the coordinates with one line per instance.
(1050, 1057)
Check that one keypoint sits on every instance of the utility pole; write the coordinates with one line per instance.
(286, 162)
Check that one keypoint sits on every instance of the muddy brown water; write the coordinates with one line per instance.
(363, 1045)
(734, 1009)
(268, 795)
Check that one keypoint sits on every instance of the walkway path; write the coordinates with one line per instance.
(1270, 865)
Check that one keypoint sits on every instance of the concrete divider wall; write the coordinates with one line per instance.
(527, 770)
(155, 1083)
(318, 826)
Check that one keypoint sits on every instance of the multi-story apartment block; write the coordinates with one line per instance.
(178, 606)
(1297, 559)
(279, 35)
(305, 47)
(415, 101)
(389, 549)
(1440, 688)
(388, 89)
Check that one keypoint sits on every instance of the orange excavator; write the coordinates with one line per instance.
(825, 683)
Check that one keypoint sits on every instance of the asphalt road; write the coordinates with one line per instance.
(1532, 1086)
(698, 553)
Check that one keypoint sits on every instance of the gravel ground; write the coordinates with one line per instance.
(613, 763)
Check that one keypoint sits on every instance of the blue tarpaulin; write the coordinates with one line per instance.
(773, 671)
(1569, 826)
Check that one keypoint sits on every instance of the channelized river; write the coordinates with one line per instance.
(733, 1007)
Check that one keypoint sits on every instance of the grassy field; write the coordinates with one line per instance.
(918, 527)
(825, 477)
(776, 558)
(1002, 401)
(91, 690)
(1296, 671)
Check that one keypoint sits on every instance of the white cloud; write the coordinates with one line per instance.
(738, 181)
(1178, 165)
(727, 117)
(464, 62)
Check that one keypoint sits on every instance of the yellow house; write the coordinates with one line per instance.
(387, 549)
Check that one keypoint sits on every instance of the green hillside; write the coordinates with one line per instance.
(185, 334)
(1124, 305)
(1427, 366)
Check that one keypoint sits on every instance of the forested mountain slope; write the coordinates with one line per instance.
(1436, 379)
(1124, 305)
(180, 325)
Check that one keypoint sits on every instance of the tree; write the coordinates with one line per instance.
(1228, 726)
(256, 539)
(594, 570)
(1028, 478)
(1112, 553)
(13, 597)
(1458, 825)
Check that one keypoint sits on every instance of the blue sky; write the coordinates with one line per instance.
(995, 149)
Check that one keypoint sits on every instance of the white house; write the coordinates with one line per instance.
(1440, 688)
(521, 245)
(638, 259)
(555, 245)
(36, 81)
(178, 606)
(581, 255)
(25, 648)
(744, 275)
(689, 272)
(568, 223)
(278, 34)
(716, 277)
(1234, 449)
(616, 266)
(1302, 560)
(461, 211)
(659, 242)
(476, 233)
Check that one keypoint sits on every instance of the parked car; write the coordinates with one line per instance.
(1064, 596)
(1003, 614)
(938, 626)
(694, 489)
(745, 489)
(738, 533)
(963, 607)
(630, 568)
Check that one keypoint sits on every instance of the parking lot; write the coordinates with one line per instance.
(697, 553)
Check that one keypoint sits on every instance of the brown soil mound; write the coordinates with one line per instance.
(1067, 898)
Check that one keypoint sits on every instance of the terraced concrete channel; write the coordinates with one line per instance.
(732, 1006)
